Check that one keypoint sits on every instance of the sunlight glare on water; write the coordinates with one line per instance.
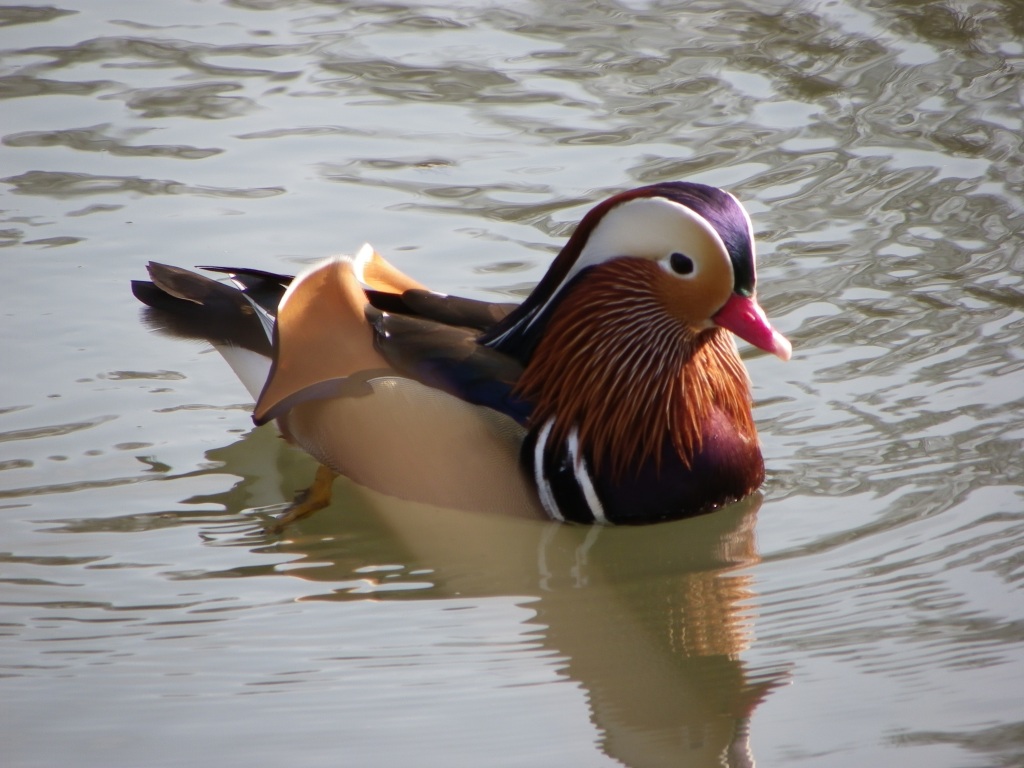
(864, 609)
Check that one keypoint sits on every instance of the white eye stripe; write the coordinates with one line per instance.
(650, 227)
(645, 227)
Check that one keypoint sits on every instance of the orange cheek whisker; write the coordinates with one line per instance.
(633, 377)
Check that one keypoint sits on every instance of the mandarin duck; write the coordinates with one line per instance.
(613, 393)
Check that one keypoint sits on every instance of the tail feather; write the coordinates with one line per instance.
(239, 319)
(265, 289)
(192, 306)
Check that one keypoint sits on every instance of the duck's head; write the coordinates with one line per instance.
(699, 238)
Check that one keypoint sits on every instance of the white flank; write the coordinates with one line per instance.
(251, 367)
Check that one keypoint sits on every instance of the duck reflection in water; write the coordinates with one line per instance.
(613, 394)
(652, 621)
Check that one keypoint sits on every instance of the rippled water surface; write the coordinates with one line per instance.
(865, 609)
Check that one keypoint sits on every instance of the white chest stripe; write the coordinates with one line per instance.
(547, 496)
(582, 474)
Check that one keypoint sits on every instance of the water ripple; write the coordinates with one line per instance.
(880, 150)
(64, 184)
(96, 139)
(53, 430)
(12, 15)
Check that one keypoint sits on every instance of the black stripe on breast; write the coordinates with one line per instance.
(560, 489)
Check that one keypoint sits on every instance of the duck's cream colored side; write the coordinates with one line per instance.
(401, 438)
(419, 444)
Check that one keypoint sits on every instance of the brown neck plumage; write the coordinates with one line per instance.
(616, 365)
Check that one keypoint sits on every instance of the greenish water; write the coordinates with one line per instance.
(865, 609)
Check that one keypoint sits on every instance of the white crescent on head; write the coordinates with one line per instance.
(649, 228)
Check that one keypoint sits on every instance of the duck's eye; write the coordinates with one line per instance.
(681, 263)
